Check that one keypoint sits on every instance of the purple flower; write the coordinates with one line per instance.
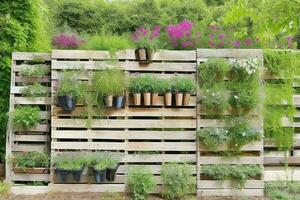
(221, 45)
(248, 41)
(155, 32)
(187, 44)
(290, 38)
(211, 36)
(236, 44)
(211, 44)
(65, 41)
(221, 36)
(180, 33)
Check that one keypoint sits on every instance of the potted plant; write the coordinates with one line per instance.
(68, 91)
(145, 82)
(146, 41)
(156, 89)
(25, 117)
(189, 88)
(100, 171)
(178, 87)
(166, 89)
(112, 167)
(30, 162)
(135, 89)
(119, 85)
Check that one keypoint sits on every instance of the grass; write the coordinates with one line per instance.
(4, 189)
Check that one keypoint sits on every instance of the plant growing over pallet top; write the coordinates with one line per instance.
(25, 117)
(243, 69)
(30, 160)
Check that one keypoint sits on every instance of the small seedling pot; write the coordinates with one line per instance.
(168, 99)
(108, 100)
(154, 99)
(111, 173)
(141, 54)
(77, 174)
(137, 99)
(178, 99)
(67, 102)
(62, 174)
(100, 175)
(147, 98)
(119, 101)
(186, 99)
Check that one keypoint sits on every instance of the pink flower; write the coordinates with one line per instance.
(187, 44)
(211, 36)
(180, 33)
(236, 44)
(221, 36)
(65, 41)
(211, 44)
(290, 38)
(221, 45)
(248, 41)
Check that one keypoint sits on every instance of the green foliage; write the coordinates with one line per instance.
(145, 83)
(68, 85)
(183, 84)
(68, 162)
(35, 71)
(177, 181)
(4, 189)
(101, 165)
(273, 115)
(213, 70)
(214, 100)
(213, 137)
(26, 117)
(165, 85)
(35, 90)
(283, 190)
(236, 174)
(140, 182)
(282, 136)
(30, 159)
(102, 159)
(243, 69)
(279, 93)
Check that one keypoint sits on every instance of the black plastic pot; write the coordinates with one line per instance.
(77, 174)
(67, 102)
(119, 101)
(100, 175)
(62, 174)
(111, 173)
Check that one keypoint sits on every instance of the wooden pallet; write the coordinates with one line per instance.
(251, 153)
(36, 138)
(148, 136)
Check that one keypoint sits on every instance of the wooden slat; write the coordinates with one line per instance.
(88, 145)
(30, 56)
(32, 101)
(219, 160)
(39, 128)
(28, 190)
(30, 147)
(254, 146)
(211, 184)
(18, 90)
(161, 146)
(150, 158)
(231, 192)
(86, 188)
(30, 177)
(229, 53)
(281, 174)
(281, 160)
(31, 138)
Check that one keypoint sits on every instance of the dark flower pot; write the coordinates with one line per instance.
(67, 102)
(119, 101)
(100, 175)
(62, 174)
(141, 54)
(111, 173)
(77, 174)
(149, 54)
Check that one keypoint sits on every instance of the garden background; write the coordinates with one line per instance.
(39, 26)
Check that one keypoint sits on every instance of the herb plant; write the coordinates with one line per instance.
(35, 90)
(26, 117)
(69, 86)
(165, 85)
(214, 100)
(183, 84)
(30, 160)
(177, 181)
(244, 69)
(35, 71)
(146, 38)
(68, 162)
(283, 190)
(279, 93)
(213, 137)
(146, 83)
(140, 182)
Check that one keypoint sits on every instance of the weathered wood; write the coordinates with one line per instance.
(29, 190)
(231, 192)
(281, 174)
(211, 184)
(30, 177)
(229, 53)
(29, 56)
(86, 188)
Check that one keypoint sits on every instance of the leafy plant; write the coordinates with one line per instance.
(273, 115)
(177, 180)
(282, 136)
(30, 159)
(101, 165)
(4, 189)
(35, 71)
(279, 93)
(165, 85)
(283, 190)
(145, 82)
(183, 84)
(68, 85)
(244, 69)
(146, 38)
(26, 117)
(213, 137)
(35, 90)
(140, 182)
(69, 162)
(213, 70)
(214, 100)
(236, 174)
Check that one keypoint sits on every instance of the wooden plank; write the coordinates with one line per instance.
(30, 177)
(161, 146)
(88, 145)
(39, 128)
(19, 90)
(65, 188)
(296, 100)
(230, 192)
(19, 79)
(18, 68)
(31, 138)
(30, 55)
(211, 184)
(30, 147)
(151, 158)
(281, 174)
(227, 53)
(281, 161)
(130, 123)
(32, 101)
(205, 160)
(155, 169)
(254, 146)
(28, 190)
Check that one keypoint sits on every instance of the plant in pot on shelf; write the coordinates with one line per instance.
(166, 89)
(178, 87)
(112, 167)
(119, 86)
(30, 162)
(68, 91)
(136, 89)
(145, 82)
(156, 89)
(189, 88)
(98, 163)
(146, 42)
(25, 117)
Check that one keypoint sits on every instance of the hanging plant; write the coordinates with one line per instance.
(243, 69)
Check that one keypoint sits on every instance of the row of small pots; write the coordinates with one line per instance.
(181, 99)
(100, 176)
(116, 101)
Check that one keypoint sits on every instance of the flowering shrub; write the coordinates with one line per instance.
(180, 35)
(146, 38)
(243, 69)
(65, 41)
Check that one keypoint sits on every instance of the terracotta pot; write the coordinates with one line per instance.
(39, 170)
(108, 100)
(186, 99)
(137, 99)
(178, 99)
(149, 54)
(154, 99)
(147, 98)
(168, 99)
(2, 170)
(141, 54)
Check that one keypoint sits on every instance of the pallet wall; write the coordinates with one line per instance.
(251, 153)
(34, 139)
(148, 136)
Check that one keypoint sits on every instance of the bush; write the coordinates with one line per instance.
(67, 41)
(140, 182)
(26, 117)
(30, 159)
(177, 181)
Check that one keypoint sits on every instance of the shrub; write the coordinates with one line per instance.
(177, 181)
(214, 100)
(213, 70)
(68, 162)
(68, 85)
(26, 117)
(66, 41)
(140, 182)
(30, 159)
(244, 69)
(35, 90)
(35, 71)
(213, 137)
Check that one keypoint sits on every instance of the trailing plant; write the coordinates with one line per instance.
(140, 182)
(243, 69)
(35, 71)
(236, 174)
(26, 117)
(35, 90)
(279, 93)
(30, 159)
(69, 162)
(273, 115)
(214, 100)
(282, 136)
(69, 86)
(177, 181)
(213, 137)
(213, 70)
(146, 38)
